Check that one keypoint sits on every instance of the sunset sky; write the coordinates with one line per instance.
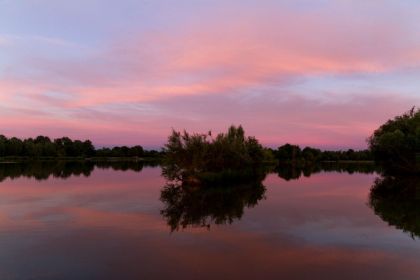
(311, 72)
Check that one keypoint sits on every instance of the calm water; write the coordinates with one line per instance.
(86, 222)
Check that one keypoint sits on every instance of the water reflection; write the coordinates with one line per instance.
(109, 226)
(291, 172)
(397, 201)
(186, 206)
(43, 170)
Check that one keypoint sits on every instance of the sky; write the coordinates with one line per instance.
(309, 72)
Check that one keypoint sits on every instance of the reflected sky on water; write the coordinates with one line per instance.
(108, 224)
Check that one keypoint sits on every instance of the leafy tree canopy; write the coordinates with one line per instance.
(195, 156)
(396, 144)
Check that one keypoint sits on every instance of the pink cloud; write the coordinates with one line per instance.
(227, 55)
(263, 52)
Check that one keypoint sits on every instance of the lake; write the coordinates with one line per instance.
(124, 221)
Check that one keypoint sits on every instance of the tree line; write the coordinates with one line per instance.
(43, 146)
(395, 146)
(293, 154)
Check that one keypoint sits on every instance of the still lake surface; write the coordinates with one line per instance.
(123, 222)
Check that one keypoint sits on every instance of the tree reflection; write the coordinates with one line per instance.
(200, 206)
(293, 172)
(397, 201)
(43, 170)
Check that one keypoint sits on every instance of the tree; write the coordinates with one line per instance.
(136, 151)
(310, 154)
(395, 145)
(14, 147)
(288, 153)
(88, 148)
(3, 145)
(195, 156)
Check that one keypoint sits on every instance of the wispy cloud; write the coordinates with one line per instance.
(269, 65)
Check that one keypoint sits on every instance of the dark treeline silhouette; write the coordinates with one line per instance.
(43, 170)
(43, 146)
(293, 154)
(396, 144)
(397, 201)
(124, 151)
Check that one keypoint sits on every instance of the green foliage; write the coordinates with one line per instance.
(396, 144)
(199, 156)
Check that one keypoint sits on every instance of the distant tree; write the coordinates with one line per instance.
(311, 154)
(124, 151)
(103, 152)
(77, 148)
(293, 155)
(136, 151)
(3, 145)
(152, 154)
(43, 146)
(288, 153)
(59, 146)
(14, 147)
(88, 148)
(67, 147)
